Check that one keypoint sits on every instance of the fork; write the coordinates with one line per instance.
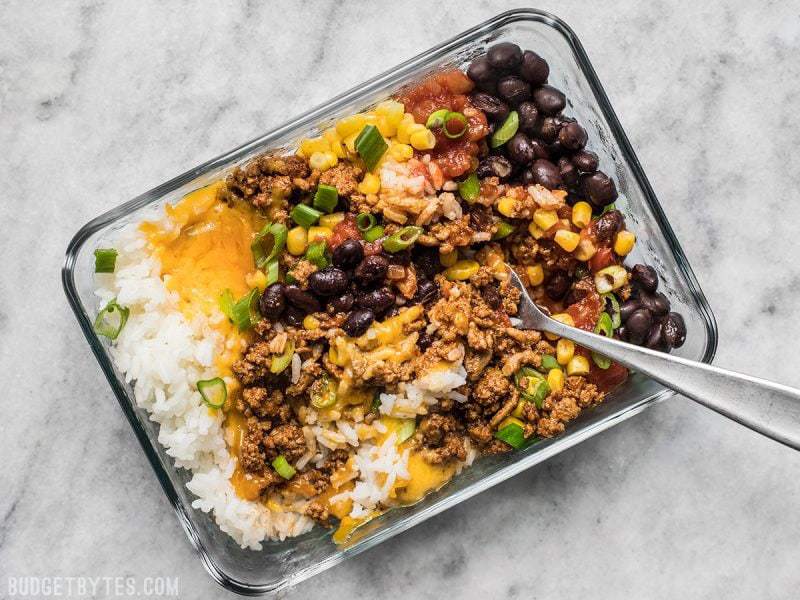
(772, 409)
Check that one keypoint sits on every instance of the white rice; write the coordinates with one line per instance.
(415, 398)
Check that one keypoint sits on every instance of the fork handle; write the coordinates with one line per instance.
(769, 408)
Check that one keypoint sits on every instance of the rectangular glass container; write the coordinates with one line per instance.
(281, 564)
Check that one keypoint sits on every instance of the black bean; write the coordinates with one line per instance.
(504, 56)
(637, 325)
(379, 300)
(371, 270)
(494, 108)
(534, 68)
(674, 330)
(599, 188)
(628, 307)
(528, 116)
(568, 171)
(539, 149)
(546, 173)
(424, 340)
(645, 277)
(527, 177)
(557, 285)
(586, 161)
(556, 151)
(494, 166)
(301, 299)
(656, 303)
(330, 281)
(492, 297)
(607, 225)
(514, 89)
(426, 260)
(427, 291)
(520, 149)
(348, 254)
(480, 71)
(572, 136)
(549, 100)
(293, 316)
(358, 321)
(342, 303)
(655, 337)
(272, 303)
(547, 129)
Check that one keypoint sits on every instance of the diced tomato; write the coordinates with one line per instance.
(586, 311)
(607, 379)
(346, 229)
(604, 257)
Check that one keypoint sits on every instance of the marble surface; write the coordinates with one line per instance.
(101, 101)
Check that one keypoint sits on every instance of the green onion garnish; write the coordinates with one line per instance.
(616, 317)
(323, 395)
(373, 233)
(370, 146)
(282, 467)
(105, 259)
(504, 229)
(244, 313)
(532, 385)
(365, 221)
(604, 327)
(272, 271)
(406, 430)
(226, 303)
(279, 363)
(304, 215)
(376, 403)
(506, 131)
(513, 435)
(436, 119)
(214, 391)
(326, 198)
(455, 120)
(111, 319)
(268, 243)
(470, 188)
(549, 362)
(402, 239)
(317, 254)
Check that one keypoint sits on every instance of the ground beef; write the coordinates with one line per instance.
(265, 403)
(287, 440)
(319, 512)
(254, 367)
(344, 177)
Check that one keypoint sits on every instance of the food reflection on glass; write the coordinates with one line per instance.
(327, 334)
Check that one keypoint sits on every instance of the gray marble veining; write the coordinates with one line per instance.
(100, 101)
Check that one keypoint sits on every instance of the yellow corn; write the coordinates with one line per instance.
(310, 322)
(312, 145)
(510, 421)
(506, 205)
(579, 365)
(256, 279)
(387, 129)
(565, 318)
(623, 243)
(353, 124)
(297, 241)
(586, 250)
(448, 259)
(404, 128)
(568, 240)
(519, 409)
(565, 350)
(581, 214)
(370, 184)
(401, 152)
(555, 379)
(320, 161)
(423, 139)
(391, 110)
(462, 270)
(332, 220)
(610, 279)
(545, 219)
(335, 142)
(535, 274)
(535, 231)
(318, 234)
(350, 142)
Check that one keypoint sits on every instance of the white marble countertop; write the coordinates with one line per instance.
(101, 101)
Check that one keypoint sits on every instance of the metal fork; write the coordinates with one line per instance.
(771, 409)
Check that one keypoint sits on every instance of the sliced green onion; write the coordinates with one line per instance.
(282, 467)
(513, 435)
(226, 303)
(272, 271)
(608, 208)
(105, 259)
(111, 319)
(504, 229)
(373, 233)
(540, 391)
(459, 119)
(370, 146)
(214, 391)
(317, 254)
(604, 327)
(532, 385)
(304, 215)
(268, 243)
(376, 403)
(365, 221)
(549, 362)
(244, 313)
(323, 394)
(506, 131)
(406, 430)
(402, 239)
(470, 188)
(290, 278)
(616, 316)
(326, 198)
(279, 363)
(523, 376)
(436, 119)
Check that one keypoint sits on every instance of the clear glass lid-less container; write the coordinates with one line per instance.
(281, 564)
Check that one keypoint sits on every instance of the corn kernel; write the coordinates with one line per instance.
(335, 142)
(510, 421)
(535, 231)
(297, 241)
(387, 129)
(579, 365)
(535, 274)
(353, 124)
(586, 250)
(555, 379)
(256, 279)
(545, 219)
(565, 350)
(392, 110)
(319, 161)
(318, 234)
(519, 409)
(311, 146)
(462, 270)
(506, 206)
(423, 139)
(623, 243)
(568, 240)
(404, 128)
(401, 152)
(332, 220)
(448, 259)
(581, 214)
(610, 279)
(565, 318)
(310, 322)
(370, 184)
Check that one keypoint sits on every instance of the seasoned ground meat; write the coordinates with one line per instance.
(344, 177)
(287, 440)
